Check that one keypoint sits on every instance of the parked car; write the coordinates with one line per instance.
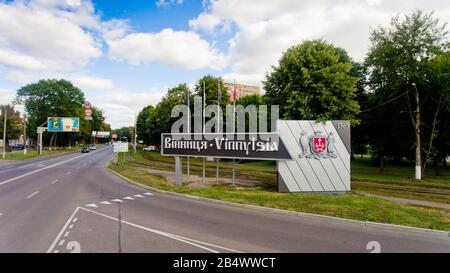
(93, 147)
(150, 148)
(17, 147)
(85, 150)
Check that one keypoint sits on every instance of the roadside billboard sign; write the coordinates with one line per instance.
(120, 147)
(101, 134)
(114, 136)
(63, 124)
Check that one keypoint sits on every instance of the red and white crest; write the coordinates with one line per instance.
(319, 144)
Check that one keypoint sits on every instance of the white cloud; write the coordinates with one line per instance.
(266, 28)
(184, 49)
(6, 96)
(121, 106)
(36, 37)
(166, 3)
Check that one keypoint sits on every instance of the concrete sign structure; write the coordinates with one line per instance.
(59, 124)
(311, 156)
(321, 156)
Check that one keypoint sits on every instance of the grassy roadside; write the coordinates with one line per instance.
(350, 206)
(18, 155)
(396, 181)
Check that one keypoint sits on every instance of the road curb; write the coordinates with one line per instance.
(440, 233)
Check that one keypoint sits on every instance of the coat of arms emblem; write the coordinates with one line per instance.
(317, 145)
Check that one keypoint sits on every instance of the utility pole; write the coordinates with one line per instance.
(4, 133)
(417, 129)
(24, 134)
(135, 133)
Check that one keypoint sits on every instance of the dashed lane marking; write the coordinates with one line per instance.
(105, 203)
(33, 194)
(61, 242)
(39, 170)
(91, 205)
(128, 198)
(68, 173)
(54, 181)
(186, 240)
(138, 195)
(117, 200)
(148, 193)
(67, 233)
(71, 226)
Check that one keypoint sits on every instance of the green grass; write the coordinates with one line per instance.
(396, 181)
(350, 206)
(18, 155)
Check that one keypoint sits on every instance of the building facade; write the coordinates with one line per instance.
(242, 89)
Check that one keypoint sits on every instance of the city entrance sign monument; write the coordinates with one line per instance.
(311, 156)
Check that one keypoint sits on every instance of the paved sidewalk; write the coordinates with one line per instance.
(409, 201)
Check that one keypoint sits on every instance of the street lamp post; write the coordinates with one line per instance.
(4, 133)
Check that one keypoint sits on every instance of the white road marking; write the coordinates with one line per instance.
(61, 242)
(138, 195)
(40, 165)
(67, 233)
(75, 220)
(91, 205)
(1, 214)
(128, 198)
(71, 226)
(38, 170)
(33, 194)
(169, 235)
(56, 251)
(148, 193)
(117, 200)
(52, 246)
(105, 202)
(68, 173)
(54, 181)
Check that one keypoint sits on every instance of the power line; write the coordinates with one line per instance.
(384, 103)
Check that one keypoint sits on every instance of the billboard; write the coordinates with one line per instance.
(101, 134)
(63, 124)
(120, 147)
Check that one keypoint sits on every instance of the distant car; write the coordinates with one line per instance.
(85, 150)
(150, 148)
(93, 147)
(17, 147)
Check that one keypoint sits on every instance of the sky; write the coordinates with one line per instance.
(124, 55)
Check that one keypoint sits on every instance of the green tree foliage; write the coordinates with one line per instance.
(211, 84)
(144, 124)
(402, 58)
(14, 123)
(313, 80)
(58, 98)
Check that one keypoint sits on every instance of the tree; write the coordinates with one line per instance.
(397, 62)
(143, 124)
(59, 98)
(211, 84)
(313, 80)
(14, 123)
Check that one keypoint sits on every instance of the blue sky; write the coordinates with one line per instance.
(125, 54)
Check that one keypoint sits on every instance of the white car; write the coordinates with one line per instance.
(149, 148)
(93, 147)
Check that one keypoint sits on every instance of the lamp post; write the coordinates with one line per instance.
(4, 133)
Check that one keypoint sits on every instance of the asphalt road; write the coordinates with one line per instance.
(71, 203)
